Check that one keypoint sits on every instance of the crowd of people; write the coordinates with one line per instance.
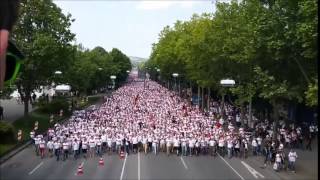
(149, 118)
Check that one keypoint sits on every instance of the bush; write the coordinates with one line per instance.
(55, 106)
(7, 133)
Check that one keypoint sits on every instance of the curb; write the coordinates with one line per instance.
(14, 152)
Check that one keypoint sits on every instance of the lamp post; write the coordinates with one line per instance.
(226, 83)
(158, 70)
(175, 75)
(113, 77)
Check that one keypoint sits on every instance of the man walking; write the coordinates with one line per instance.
(292, 159)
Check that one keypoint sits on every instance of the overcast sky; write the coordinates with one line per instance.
(131, 26)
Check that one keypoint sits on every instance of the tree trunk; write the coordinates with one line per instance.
(202, 98)
(191, 89)
(208, 99)
(250, 113)
(275, 112)
(242, 114)
(199, 96)
(26, 102)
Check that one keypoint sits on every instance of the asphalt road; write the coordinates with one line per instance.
(26, 165)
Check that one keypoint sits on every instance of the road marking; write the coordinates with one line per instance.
(78, 167)
(35, 168)
(231, 167)
(138, 165)
(184, 164)
(255, 173)
(124, 164)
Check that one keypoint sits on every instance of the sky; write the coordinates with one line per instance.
(131, 26)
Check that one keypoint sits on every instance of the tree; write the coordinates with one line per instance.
(43, 34)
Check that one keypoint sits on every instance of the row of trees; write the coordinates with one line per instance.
(269, 47)
(43, 34)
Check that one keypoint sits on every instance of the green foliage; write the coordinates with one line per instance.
(268, 47)
(7, 133)
(91, 70)
(312, 94)
(43, 34)
(55, 106)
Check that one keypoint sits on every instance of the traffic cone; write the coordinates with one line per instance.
(101, 163)
(80, 170)
(121, 155)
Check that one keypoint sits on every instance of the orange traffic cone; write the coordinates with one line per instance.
(101, 163)
(121, 155)
(80, 170)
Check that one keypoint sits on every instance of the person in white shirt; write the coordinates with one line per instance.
(42, 146)
(57, 147)
(197, 147)
(36, 144)
(145, 145)
(278, 160)
(92, 146)
(191, 146)
(230, 147)
(65, 147)
(162, 145)
(259, 141)
(292, 156)
(134, 144)
(50, 147)
(104, 142)
(84, 148)
(98, 147)
(236, 147)
(109, 145)
(176, 144)
(184, 146)
(155, 146)
(213, 149)
(221, 146)
(168, 145)
(254, 146)
(75, 147)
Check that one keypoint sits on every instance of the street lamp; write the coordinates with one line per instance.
(100, 69)
(58, 72)
(226, 83)
(113, 77)
(128, 71)
(175, 75)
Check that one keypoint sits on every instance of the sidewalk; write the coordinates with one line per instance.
(13, 110)
(306, 164)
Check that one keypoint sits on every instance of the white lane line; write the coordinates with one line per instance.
(138, 165)
(78, 167)
(184, 164)
(231, 167)
(254, 172)
(35, 168)
(124, 164)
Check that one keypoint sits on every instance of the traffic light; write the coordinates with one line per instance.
(14, 59)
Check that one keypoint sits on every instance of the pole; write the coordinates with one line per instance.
(179, 87)
(175, 84)
(250, 112)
